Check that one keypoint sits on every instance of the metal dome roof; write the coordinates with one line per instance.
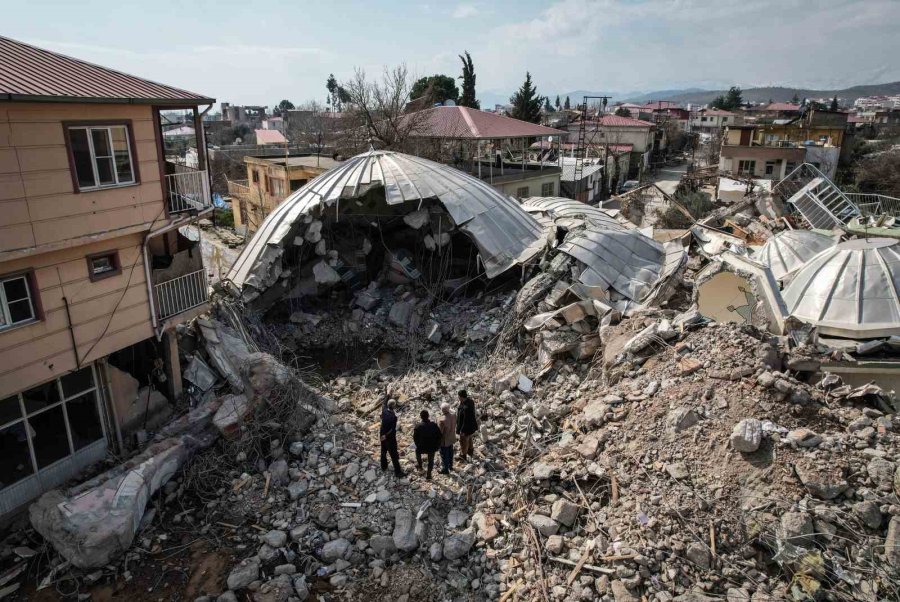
(790, 249)
(850, 290)
(504, 234)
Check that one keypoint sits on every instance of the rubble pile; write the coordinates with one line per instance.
(654, 424)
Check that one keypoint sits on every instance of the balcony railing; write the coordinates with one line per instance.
(181, 294)
(188, 191)
(875, 204)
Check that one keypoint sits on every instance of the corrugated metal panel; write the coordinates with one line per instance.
(28, 72)
(790, 249)
(563, 208)
(850, 289)
(502, 231)
(626, 261)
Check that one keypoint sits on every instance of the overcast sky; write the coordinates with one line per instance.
(260, 52)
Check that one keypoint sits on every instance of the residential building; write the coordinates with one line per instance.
(493, 147)
(269, 181)
(712, 121)
(94, 271)
(613, 130)
(588, 186)
(273, 123)
(775, 110)
(251, 116)
(773, 150)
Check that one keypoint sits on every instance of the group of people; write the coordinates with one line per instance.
(432, 437)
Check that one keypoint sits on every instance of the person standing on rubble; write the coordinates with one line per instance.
(447, 424)
(427, 436)
(389, 436)
(466, 424)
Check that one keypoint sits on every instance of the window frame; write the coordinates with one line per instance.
(63, 400)
(37, 312)
(116, 263)
(548, 186)
(68, 126)
(519, 190)
(751, 163)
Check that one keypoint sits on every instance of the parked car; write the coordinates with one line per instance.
(628, 185)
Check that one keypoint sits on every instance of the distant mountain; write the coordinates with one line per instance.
(776, 94)
(700, 96)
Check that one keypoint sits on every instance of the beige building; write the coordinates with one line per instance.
(93, 270)
(269, 181)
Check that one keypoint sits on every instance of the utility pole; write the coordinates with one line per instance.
(581, 150)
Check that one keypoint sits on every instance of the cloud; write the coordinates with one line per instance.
(464, 11)
(654, 44)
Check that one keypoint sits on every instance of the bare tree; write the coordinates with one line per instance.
(377, 110)
(312, 125)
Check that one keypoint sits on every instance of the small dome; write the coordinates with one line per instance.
(850, 290)
(790, 249)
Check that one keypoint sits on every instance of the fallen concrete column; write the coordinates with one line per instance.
(96, 521)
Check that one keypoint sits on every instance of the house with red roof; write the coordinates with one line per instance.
(617, 131)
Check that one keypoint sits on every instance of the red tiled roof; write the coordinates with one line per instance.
(617, 121)
(660, 105)
(31, 73)
(464, 122)
(269, 137)
(781, 106)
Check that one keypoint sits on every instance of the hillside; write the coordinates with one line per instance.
(776, 94)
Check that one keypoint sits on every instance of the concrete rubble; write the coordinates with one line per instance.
(643, 435)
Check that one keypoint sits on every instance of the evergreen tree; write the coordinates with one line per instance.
(731, 100)
(834, 104)
(547, 107)
(623, 112)
(526, 103)
(558, 106)
(468, 83)
(438, 87)
(568, 105)
(795, 99)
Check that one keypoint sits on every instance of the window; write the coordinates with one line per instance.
(255, 176)
(724, 120)
(547, 189)
(791, 166)
(746, 167)
(48, 423)
(703, 119)
(103, 265)
(522, 192)
(101, 156)
(16, 301)
(770, 168)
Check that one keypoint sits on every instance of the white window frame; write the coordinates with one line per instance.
(751, 163)
(4, 307)
(548, 186)
(24, 416)
(90, 138)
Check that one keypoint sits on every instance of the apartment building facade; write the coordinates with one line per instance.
(269, 181)
(94, 268)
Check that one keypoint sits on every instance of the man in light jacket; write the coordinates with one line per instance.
(447, 424)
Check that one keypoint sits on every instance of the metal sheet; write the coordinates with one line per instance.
(504, 234)
(850, 290)
(790, 249)
(559, 208)
(625, 261)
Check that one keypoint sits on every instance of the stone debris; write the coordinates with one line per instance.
(629, 446)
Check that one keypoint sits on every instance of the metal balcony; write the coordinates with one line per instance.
(181, 294)
(188, 190)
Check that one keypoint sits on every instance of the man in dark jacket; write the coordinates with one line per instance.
(427, 437)
(466, 424)
(389, 437)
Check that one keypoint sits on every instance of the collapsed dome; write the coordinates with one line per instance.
(850, 290)
(790, 249)
(504, 234)
(565, 211)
